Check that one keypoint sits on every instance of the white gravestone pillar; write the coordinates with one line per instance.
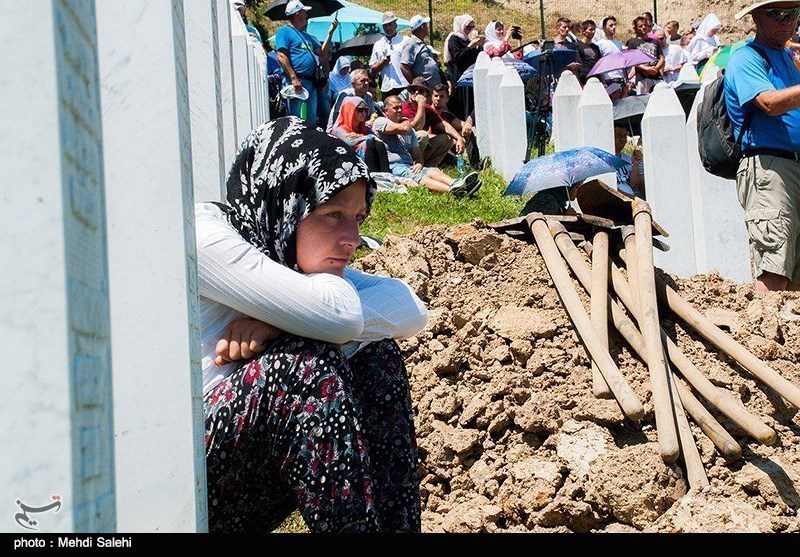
(230, 142)
(688, 74)
(259, 84)
(710, 74)
(493, 79)
(512, 100)
(262, 80)
(596, 118)
(666, 177)
(241, 76)
(720, 235)
(480, 93)
(252, 73)
(566, 98)
(208, 157)
(158, 406)
(57, 437)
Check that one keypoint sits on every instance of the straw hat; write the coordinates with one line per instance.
(757, 5)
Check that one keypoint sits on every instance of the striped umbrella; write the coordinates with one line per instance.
(721, 58)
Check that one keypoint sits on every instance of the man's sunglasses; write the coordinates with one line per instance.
(780, 15)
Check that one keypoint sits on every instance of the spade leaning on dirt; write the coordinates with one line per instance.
(511, 436)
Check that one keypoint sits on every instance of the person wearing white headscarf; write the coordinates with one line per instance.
(496, 45)
(705, 42)
(461, 52)
(339, 78)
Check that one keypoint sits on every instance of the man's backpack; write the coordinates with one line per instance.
(720, 151)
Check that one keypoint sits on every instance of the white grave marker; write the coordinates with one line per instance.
(720, 235)
(480, 93)
(158, 406)
(666, 176)
(493, 79)
(688, 74)
(596, 122)
(230, 138)
(208, 158)
(54, 324)
(512, 100)
(566, 99)
(241, 76)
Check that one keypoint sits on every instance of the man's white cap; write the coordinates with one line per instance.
(757, 5)
(295, 6)
(418, 21)
(387, 17)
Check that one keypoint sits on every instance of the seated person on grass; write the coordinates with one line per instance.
(441, 96)
(435, 140)
(405, 156)
(350, 127)
(359, 81)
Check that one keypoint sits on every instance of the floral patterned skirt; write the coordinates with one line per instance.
(302, 427)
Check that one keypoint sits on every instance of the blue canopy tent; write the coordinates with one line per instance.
(353, 19)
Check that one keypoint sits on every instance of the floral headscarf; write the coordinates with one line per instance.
(284, 170)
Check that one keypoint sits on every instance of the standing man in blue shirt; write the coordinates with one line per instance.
(299, 55)
(762, 94)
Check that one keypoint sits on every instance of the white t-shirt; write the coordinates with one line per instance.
(391, 75)
(236, 280)
(607, 47)
(674, 56)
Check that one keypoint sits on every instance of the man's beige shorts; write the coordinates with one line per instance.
(769, 191)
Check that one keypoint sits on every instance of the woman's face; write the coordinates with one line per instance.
(328, 237)
(500, 29)
(361, 113)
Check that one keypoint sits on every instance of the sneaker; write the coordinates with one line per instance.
(470, 180)
(474, 189)
(459, 189)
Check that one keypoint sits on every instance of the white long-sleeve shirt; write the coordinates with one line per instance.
(237, 280)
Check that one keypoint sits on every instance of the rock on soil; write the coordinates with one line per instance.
(511, 438)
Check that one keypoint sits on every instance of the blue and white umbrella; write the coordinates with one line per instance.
(563, 169)
(524, 70)
(354, 20)
(558, 61)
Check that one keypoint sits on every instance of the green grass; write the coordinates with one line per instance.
(394, 213)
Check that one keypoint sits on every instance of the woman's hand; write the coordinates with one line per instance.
(477, 41)
(415, 168)
(243, 339)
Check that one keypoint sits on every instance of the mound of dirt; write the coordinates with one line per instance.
(511, 438)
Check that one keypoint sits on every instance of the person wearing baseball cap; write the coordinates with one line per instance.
(300, 54)
(762, 96)
(417, 59)
(386, 57)
(435, 137)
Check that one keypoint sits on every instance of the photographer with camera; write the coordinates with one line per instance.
(496, 45)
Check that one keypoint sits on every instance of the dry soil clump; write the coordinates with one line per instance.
(510, 435)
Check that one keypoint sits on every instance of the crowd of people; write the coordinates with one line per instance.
(434, 123)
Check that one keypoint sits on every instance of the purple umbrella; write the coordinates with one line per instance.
(621, 60)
